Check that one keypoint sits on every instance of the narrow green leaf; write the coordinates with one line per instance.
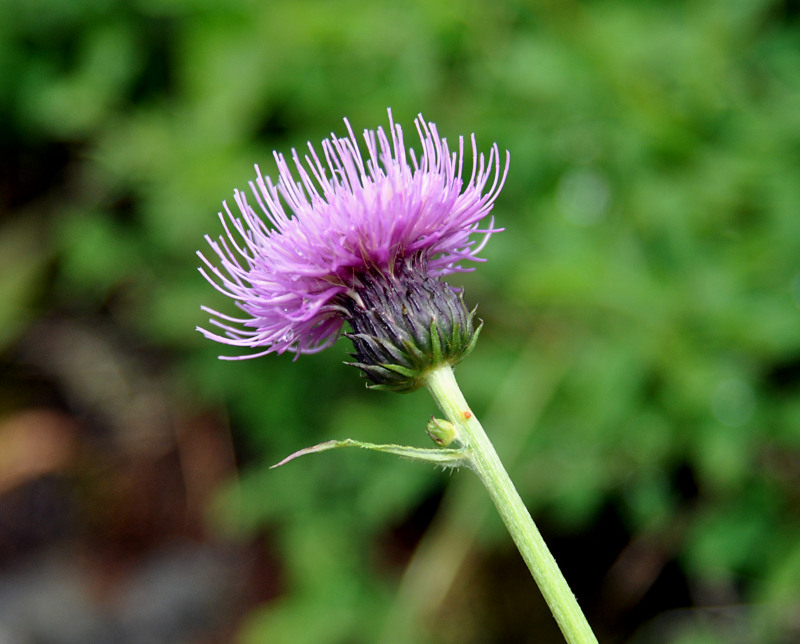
(443, 457)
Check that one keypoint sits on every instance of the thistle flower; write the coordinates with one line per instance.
(313, 254)
(365, 241)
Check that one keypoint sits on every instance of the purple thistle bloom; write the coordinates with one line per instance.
(345, 218)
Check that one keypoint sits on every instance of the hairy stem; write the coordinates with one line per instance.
(483, 460)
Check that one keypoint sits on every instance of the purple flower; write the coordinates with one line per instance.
(289, 264)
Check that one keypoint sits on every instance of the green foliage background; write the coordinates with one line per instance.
(641, 350)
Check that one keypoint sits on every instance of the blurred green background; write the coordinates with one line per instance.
(638, 371)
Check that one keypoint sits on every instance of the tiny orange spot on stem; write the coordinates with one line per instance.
(467, 414)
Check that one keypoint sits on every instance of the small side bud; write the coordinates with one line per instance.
(442, 432)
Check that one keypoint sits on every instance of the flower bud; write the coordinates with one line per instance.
(442, 432)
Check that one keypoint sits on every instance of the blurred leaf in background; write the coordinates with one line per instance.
(639, 367)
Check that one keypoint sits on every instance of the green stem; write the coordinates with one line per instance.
(484, 461)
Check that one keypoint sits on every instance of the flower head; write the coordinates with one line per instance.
(291, 265)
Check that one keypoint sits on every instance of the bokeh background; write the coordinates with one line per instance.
(639, 368)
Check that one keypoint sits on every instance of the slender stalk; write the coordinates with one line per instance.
(484, 461)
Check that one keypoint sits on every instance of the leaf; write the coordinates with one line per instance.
(443, 457)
